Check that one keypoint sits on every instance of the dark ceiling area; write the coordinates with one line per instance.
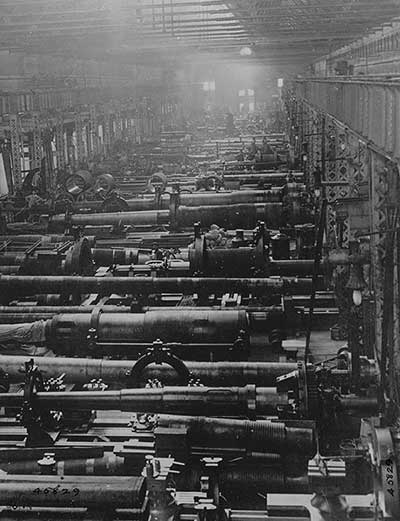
(275, 32)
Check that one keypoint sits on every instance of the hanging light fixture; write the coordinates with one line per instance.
(246, 51)
(356, 283)
(356, 280)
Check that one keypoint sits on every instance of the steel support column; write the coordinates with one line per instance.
(93, 130)
(16, 150)
(79, 137)
(60, 144)
(106, 131)
(36, 142)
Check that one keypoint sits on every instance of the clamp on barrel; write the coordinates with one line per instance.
(158, 354)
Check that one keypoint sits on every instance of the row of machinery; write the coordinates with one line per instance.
(177, 345)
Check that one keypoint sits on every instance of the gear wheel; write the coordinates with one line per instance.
(307, 391)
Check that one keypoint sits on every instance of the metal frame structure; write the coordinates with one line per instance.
(36, 142)
(279, 32)
(15, 137)
(60, 147)
(361, 183)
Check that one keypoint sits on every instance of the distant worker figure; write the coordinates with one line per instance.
(252, 148)
(229, 123)
(266, 147)
(187, 140)
(240, 156)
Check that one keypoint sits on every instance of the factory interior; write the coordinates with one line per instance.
(199, 260)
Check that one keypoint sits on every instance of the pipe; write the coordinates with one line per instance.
(73, 491)
(203, 401)
(11, 285)
(82, 370)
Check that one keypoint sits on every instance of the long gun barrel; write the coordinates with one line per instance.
(193, 199)
(95, 492)
(203, 401)
(234, 215)
(18, 285)
(82, 370)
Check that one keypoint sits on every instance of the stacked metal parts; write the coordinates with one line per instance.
(171, 347)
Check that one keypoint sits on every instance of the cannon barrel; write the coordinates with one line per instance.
(172, 325)
(203, 401)
(234, 215)
(269, 177)
(247, 434)
(249, 400)
(235, 197)
(21, 313)
(105, 465)
(152, 217)
(244, 475)
(53, 310)
(95, 492)
(237, 480)
(18, 285)
(245, 261)
(45, 239)
(82, 370)
(193, 199)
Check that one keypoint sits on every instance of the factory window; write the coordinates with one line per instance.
(209, 86)
(246, 92)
